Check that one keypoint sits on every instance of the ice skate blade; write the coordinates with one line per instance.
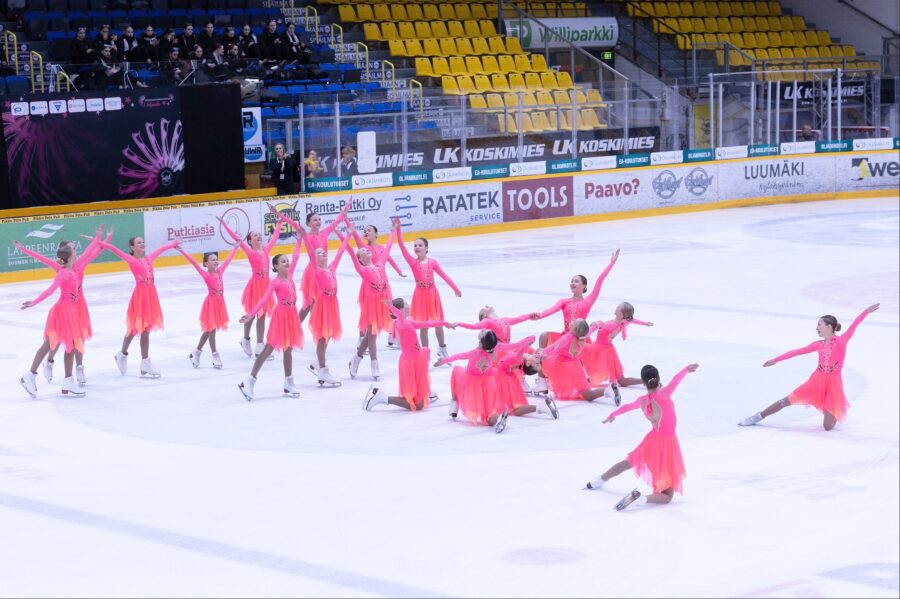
(246, 395)
(33, 395)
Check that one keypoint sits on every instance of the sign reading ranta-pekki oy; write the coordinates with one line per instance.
(595, 32)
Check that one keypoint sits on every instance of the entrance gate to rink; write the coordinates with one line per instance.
(770, 106)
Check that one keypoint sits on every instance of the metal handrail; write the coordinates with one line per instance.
(7, 35)
(393, 73)
(367, 58)
(421, 97)
(340, 40)
(40, 71)
(315, 19)
(62, 75)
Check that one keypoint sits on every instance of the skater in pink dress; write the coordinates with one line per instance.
(370, 235)
(284, 333)
(325, 316)
(561, 366)
(314, 239)
(474, 388)
(415, 383)
(374, 290)
(601, 359)
(824, 390)
(81, 262)
(144, 312)
(213, 313)
(63, 325)
(508, 373)
(258, 257)
(426, 301)
(658, 458)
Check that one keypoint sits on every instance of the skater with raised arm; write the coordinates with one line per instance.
(144, 312)
(284, 333)
(658, 458)
(824, 390)
(213, 313)
(561, 365)
(258, 257)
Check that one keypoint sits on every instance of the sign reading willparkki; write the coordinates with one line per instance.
(584, 32)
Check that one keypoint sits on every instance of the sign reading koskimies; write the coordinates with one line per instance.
(537, 198)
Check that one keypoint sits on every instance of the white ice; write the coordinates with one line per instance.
(180, 487)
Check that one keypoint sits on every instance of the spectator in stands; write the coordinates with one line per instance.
(270, 44)
(107, 71)
(105, 38)
(295, 51)
(249, 45)
(166, 42)
(81, 51)
(195, 69)
(127, 45)
(282, 171)
(348, 162)
(187, 40)
(237, 64)
(216, 66)
(312, 166)
(171, 68)
(207, 39)
(229, 38)
(149, 45)
(807, 133)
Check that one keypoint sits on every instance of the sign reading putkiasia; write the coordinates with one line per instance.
(593, 32)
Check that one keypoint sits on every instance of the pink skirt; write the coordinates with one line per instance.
(325, 319)
(509, 390)
(213, 314)
(373, 312)
(566, 378)
(144, 312)
(659, 462)
(476, 395)
(64, 327)
(415, 382)
(824, 392)
(426, 304)
(284, 328)
(253, 290)
(84, 317)
(309, 286)
(601, 360)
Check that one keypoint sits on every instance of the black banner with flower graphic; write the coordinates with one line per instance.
(93, 146)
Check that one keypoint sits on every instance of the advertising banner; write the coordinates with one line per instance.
(878, 171)
(95, 147)
(254, 150)
(43, 234)
(537, 198)
(584, 32)
(782, 176)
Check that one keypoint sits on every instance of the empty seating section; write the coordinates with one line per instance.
(758, 28)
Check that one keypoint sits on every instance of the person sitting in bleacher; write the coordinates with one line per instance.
(247, 42)
(105, 38)
(270, 44)
(166, 42)
(187, 40)
(82, 51)
(295, 51)
(107, 71)
(171, 68)
(207, 39)
(215, 65)
(148, 45)
(229, 38)
(127, 46)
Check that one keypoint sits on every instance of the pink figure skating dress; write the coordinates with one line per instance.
(601, 360)
(474, 386)
(573, 308)
(63, 325)
(426, 301)
(284, 325)
(415, 382)
(373, 292)
(213, 313)
(561, 364)
(325, 316)
(260, 268)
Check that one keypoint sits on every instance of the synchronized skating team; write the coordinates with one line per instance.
(577, 363)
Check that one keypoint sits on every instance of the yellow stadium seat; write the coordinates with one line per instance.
(499, 82)
(449, 86)
(364, 13)
(507, 64)
(476, 102)
(440, 66)
(406, 30)
(470, 28)
(564, 80)
(521, 63)
(591, 119)
(414, 48)
(538, 63)
(595, 98)
(447, 12)
(568, 10)
(480, 46)
(397, 48)
(482, 84)
(478, 11)
(533, 81)
(372, 32)
(689, 9)
(849, 51)
(458, 66)
(558, 121)
(456, 29)
(382, 12)
(347, 14)
(464, 46)
(489, 64)
(548, 78)
(540, 122)
(414, 12)
(465, 83)
(448, 46)
(492, 11)
(823, 38)
(389, 31)
(513, 46)
(516, 82)
(423, 67)
(432, 48)
(496, 45)
(439, 29)
(774, 8)
(797, 23)
(463, 13)
(473, 65)
(811, 38)
(544, 98)
(423, 29)
(487, 28)
(398, 12)
(812, 52)
(712, 9)
(724, 9)
(430, 12)
(495, 101)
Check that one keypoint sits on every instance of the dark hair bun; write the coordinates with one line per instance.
(488, 341)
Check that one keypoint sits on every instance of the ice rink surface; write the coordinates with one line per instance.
(180, 487)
